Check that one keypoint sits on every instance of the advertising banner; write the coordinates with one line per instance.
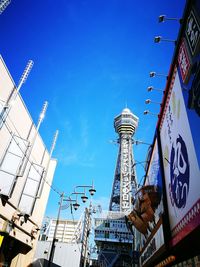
(154, 180)
(153, 246)
(181, 168)
(153, 185)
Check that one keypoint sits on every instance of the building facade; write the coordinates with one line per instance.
(65, 230)
(168, 204)
(26, 173)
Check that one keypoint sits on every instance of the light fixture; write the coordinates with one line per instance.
(92, 191)
(158, 39)
(42, 114)
(15, 217)
(148, 101)
(3, 5)
(76, 206)
(151, 88)
(139, 142)
(24, 218)
(34, 231)
(148, 112)
(25, 74)
(163, 18)
(84, 198)
(153, 74)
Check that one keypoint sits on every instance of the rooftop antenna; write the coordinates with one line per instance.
(3, 5)
(54, 143)
(25, 74)
(22, 80)
(13, 95)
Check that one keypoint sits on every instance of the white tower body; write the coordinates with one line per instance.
(113, 239)
(124, 184)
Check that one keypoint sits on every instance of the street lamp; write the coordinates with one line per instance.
(158, 39)
(84, 198)
(139, 142)
(153, 74)
(148, 101)
(91, 190)
(151, 88)
(148, 112)
(163, 18)
(75, 205)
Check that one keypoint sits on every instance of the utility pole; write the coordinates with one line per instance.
(55, 232)
(85, 232)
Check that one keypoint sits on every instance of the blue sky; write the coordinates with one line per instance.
(91, 59)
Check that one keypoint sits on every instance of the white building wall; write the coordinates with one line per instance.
(19, 123)
(66, 254)
(65, 230)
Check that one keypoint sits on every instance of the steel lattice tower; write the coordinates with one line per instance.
(124, 185)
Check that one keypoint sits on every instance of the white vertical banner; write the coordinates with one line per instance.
(125, 187)
(182, 175)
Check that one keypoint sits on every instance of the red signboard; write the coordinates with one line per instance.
(184, 62)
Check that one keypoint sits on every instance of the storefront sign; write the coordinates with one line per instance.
(1, 239)
(184, 62)
(180, 164)
(192, 32)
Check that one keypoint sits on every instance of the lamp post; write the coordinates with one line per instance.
(148, 101)
(148, 112)
(158, 39)
(163, 18)
(91, 190)
(139, 142)
(87, 226)
(153, 74)
(62, 207)
(55, 232)
(151, 88)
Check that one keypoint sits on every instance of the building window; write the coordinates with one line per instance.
(3, 113)
(11, 163)
(31, 188)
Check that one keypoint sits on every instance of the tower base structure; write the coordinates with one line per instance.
(113, 240)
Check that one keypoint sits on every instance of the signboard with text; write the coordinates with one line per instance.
(181, 166)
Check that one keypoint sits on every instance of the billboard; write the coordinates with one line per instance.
(179, 133)
(152, 245)
(181, 168)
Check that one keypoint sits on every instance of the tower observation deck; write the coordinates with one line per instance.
(124, 185)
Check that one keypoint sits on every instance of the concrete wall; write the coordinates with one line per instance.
(66, 254)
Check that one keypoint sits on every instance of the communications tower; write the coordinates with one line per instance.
(124, 185)
(112, 237)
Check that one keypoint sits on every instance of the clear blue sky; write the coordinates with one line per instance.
(92, 57)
